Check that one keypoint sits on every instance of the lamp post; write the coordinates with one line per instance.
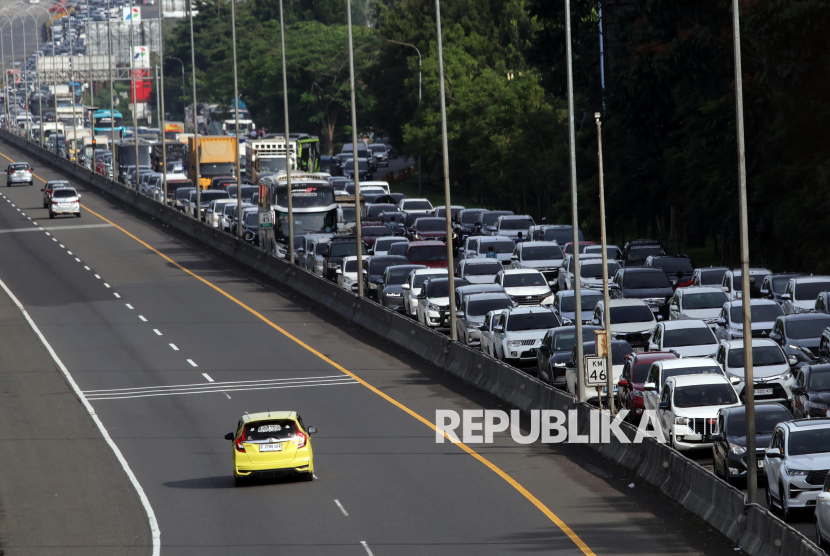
(37, 72)
(196, 122)
(161, 108)
(183, 82)
(289, 192)
(752, 481)
(239, 227)
(25, 76)
(5, 81)
(359, 239)
(419, 97)
(134, 94)
(574, 213)
(446, 157)
(11, 31)
(606, 294)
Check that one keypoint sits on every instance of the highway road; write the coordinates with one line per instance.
(171, 344)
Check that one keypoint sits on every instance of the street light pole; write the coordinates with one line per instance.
(359, 240)
(609, 366)
(37, 76)
(288, 169)
(5, 80)
(574, 213)
(161, 108)
(134, 94)
(446, 157)
(752, 482)
(239, 227)
(112, 94)
(195, 153)
(25, 78)
(419, 98)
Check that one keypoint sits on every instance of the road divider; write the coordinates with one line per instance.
(753, 528)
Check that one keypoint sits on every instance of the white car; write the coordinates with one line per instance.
(795, 466)
(566, 279)
(412, 288)
(347, 273)
(416, 206)
(478, 247)
(381, 184)
(226, 216)
(732, 281)
(65, 201)
(479, 271)
(689, 406)
(704, 303)
(772, 372)
(432, 309)
(660, 371)
(518, 333)
(730, 322)
(801, 293)
(525, 286)
(687, 338)
(382, 244)
(631, 320)
(514, 225)
(544, 256)
(216, 210)
(487, 335)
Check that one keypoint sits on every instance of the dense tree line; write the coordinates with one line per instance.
(668, 105)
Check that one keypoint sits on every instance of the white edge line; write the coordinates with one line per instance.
(151, 516)
(342, 509)
(222, 389)
(229, 383)
(210, 387)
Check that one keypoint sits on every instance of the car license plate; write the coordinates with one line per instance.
(270, 447)
(640, 349)
(763, 391)
(760, 464)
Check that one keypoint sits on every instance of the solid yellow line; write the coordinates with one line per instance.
(493, 467)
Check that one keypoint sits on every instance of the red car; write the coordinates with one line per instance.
(569, 247)
(432, 254)
(634, 377)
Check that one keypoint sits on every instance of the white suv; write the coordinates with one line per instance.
(525, 286)
(518, 333)
(773, 376)
(796, 464)
(688, 338)
(689, 408)
(801, 293)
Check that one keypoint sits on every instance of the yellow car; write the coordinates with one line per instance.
(271, 444)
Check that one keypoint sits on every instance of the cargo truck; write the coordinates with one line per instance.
(175, 156)
(267, 156)
(217, 158)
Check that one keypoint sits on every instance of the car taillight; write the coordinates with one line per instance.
(301, 439)
(238, 443)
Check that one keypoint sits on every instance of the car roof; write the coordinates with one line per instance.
(429, 270)
(494, 239)
(415, 199)
(648, 357)
(427, 242)
(486, 295)
(803, 316)
(479, 288)
(514, 216)
(591, 260)
(538, 244)
(528, 309)
(267, 415)
(468, 262)
(759, 408)
(756, 342)
(583, 291)
(625, 302)
(820, 422)
(683, 324)
(751, 271)
(511, 271)
(692, 380)
(809, 279)
(643, 270)
(703, 289)
(739, 302)
(686, 362)
(396, 238)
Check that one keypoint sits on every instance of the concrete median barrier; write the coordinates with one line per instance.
(757, 531)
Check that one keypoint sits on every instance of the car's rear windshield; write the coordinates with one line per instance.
(815, 441)
(779, 285)
(645, 280)
(399, 248)
(15, 167)
(351, 266)
(516, 224)
(498, 246)
(565, 341)
(427, 253)
(738, 284)
(759, 313)
(483, 269)
(642, 252)
(431, 225)
(765, 421)
(278, 429)
(709, 300)
(542, 253)
(595, 270)
(631, 313)
(673, 266)
(479, 307)
(712, 277)
(762, 356)
(683, 337)
(524, 279)
(805, 329)
(419, 279)
(417, 205)
(60, 193)
(705, 395)
(532, 321)
(588, 302)
(810, 290)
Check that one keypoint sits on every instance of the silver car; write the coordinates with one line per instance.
(19, 172)
(65, 201)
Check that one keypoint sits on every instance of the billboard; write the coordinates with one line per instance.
(131, 14)
(141, 57)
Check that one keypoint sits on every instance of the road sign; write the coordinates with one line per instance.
(266, 219)
(595, 371)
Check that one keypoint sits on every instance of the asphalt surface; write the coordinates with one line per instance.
(374, 460)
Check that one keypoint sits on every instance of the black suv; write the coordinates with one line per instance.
(637, 251)
(678, 268)
(649, 284)
(336, 250)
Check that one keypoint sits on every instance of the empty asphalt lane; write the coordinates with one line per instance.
(404, 493)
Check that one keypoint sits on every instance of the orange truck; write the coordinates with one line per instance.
(218, 157)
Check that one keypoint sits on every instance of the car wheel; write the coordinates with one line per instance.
(51, 215)
(31, 183)
(306, 477)
(239, 481)
(770, 505)
(786, 512)
(45, 205)
(78, 214)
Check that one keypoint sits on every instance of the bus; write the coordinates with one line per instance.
(313, 204)
(103, 120)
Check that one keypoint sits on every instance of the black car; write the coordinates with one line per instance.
(374, 210)
(800, 334)
(392, 217)
(250, 228)
(811, 391)
(555, 352)
(464, 225)
(392, 281)
(649, 284)
(336, 249)
(678, 268)
(729, 442)
(486, 225)
(637, 251)
(373, 269)
(775, 285)
(247, 191)
(363, 171)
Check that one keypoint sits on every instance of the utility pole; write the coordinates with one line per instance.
(446, 157)
(112, 94)
(195, 153)
(609, 365)
(134, 94)
(580, 378)
(359, 240)
(749, 388)
(161, 106)
(239, 227)
(288, 169)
